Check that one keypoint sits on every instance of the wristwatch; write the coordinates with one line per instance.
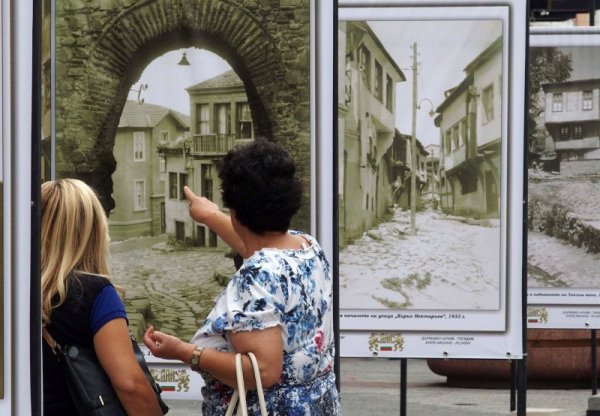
(196, 358)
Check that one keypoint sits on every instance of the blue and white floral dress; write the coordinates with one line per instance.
(292, 289)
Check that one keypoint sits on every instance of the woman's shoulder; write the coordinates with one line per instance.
(312, 240)
(90, 281)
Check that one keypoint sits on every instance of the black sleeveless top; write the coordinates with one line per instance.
(70, 325)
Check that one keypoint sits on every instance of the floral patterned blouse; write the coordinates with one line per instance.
(292, 289)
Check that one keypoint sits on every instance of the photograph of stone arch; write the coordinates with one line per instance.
(563, 249)
(422, 148)
(147, 96)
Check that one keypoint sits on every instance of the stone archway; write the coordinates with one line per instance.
(102, 48)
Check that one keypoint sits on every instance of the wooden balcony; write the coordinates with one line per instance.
(455, 158)
(578, 144)
(213, 144)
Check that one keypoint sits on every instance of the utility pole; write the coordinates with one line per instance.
(413, 149)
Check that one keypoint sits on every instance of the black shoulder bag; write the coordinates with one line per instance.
(89, 386)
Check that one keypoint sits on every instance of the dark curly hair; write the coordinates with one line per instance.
(257, 181)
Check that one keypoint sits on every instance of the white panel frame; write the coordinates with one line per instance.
(472, 340)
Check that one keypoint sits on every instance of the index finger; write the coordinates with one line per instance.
(188, 193)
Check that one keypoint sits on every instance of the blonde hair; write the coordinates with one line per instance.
(74, 238)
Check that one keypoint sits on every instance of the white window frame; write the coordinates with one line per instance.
(587, 100)
(165, 137)
(139, 146)
(487, 103)
(557, 102)
(203, 114)
(240, 107)
(139, 201)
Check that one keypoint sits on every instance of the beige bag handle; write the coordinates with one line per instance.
(240, 392)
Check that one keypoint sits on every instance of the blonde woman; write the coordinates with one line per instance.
(79, 303)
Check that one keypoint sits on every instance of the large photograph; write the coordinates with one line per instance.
(148, 97)
(423, 109)
(563, 245)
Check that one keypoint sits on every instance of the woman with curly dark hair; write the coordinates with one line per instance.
(278, 305)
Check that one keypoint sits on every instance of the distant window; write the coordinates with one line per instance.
(448, 141)
(206, 181)
(578, 132)
(222, 116)
(389, 93)
(183, 181)
(564, 133)
(162, 165)
(139, 145)
(164, 137)
(212, 238)
(139, 195)
(455, 136)
(463, 132)
(378, 89)
(365, 65)
(172, 185)
(179, 231)
(587, 100)
(487, 98)
(557, 102)
(201, 235)
(202, 119)
(244, 121)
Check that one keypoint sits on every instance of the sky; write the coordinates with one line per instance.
(444, 49)
(586, 61)
(167, 81)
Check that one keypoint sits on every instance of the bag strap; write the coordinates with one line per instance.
(240, 392)
(54, 346)
(259, 389)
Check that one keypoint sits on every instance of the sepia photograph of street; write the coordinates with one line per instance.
(420, 153)
(149, 97)
(563, 247)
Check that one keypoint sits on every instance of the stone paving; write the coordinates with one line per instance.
(170, 288)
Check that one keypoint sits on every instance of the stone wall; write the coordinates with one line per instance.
(556, 221)
(102, 47)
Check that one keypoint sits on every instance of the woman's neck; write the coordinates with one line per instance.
(277, 240)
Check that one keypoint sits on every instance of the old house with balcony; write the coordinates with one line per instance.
(470, 122)
(572, 117)
(220, 120)
(430, 195)
(398, 163)
(138, 181)
(367, 76)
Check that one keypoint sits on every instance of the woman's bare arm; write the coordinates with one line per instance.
(266, 344)
(115, 353)
(205, 211)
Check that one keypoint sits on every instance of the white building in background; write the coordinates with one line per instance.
(220, 121)
(430, 196)
(572, 117)
(470, 121)
(138, 184)
(367, 78)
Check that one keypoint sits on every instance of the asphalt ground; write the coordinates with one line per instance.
(371, 386)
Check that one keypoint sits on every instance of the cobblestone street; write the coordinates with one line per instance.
(451, 263)
(173, 289)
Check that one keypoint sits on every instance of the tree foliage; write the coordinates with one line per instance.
(546, 65)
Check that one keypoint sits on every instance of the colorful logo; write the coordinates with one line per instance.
(382, 342)
(537, 315)
(171, 380)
